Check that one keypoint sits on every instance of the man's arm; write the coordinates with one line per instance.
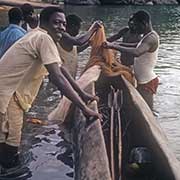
(81, 39)
(82, 48)
(57, 77)
(128, 44)
(149, 44)
(118, 35)
(85, 96)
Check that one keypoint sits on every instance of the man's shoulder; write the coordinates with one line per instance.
(14, 30)
(153, 40)
(5, 30)
(151, 36)
(38, 35)
(18, 30)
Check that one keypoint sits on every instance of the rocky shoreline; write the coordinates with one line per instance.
(42, 4)
(34, 3)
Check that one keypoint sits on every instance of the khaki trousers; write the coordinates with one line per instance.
(11, 124)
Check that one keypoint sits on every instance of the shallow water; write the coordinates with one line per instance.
(51, 158)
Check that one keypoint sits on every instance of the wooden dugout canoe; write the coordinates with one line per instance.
(139, 129)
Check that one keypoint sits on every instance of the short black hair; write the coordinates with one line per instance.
(27, 9)
(142, 16)
(73, 19)
(15, 15)
(47, 12)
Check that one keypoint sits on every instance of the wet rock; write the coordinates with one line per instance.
(82, 2)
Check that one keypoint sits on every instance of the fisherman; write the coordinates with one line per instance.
(73, 24)
(33, 55)
(145, 53)
(130, 36)
(30, 19)
(71, 44)
(13, 32)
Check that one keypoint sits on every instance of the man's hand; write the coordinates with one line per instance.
(96, 25)
(88, 98)
(107, 45)
(90, 114)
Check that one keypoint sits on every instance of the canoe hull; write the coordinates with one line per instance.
(146, 131)
(139, 129)
(90, 155)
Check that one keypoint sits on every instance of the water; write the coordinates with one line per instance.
(45, 141)
(166, 22)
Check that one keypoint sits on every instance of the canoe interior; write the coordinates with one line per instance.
(138, 125)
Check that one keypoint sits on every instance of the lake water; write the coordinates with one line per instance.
(51, 159)
(166, 21)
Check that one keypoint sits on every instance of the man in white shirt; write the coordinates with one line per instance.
(146, 55)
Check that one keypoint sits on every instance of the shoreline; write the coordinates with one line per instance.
(5, 4)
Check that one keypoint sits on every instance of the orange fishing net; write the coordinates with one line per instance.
(106, 58)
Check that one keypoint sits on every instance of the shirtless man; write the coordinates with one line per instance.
(30, 19)
(71, 43)
(73, 28)
(145, 53)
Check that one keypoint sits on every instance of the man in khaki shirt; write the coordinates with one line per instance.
(27, 60)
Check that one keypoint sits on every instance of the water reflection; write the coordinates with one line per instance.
(51, 154)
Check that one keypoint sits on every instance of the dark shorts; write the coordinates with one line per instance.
(151, 86)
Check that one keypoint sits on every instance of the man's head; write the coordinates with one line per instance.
(131, 25)
(15, 16)
(27, 10)
(53, 20)
(141, 21)
(73, 24)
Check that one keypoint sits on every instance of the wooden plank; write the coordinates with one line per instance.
(111, 106)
